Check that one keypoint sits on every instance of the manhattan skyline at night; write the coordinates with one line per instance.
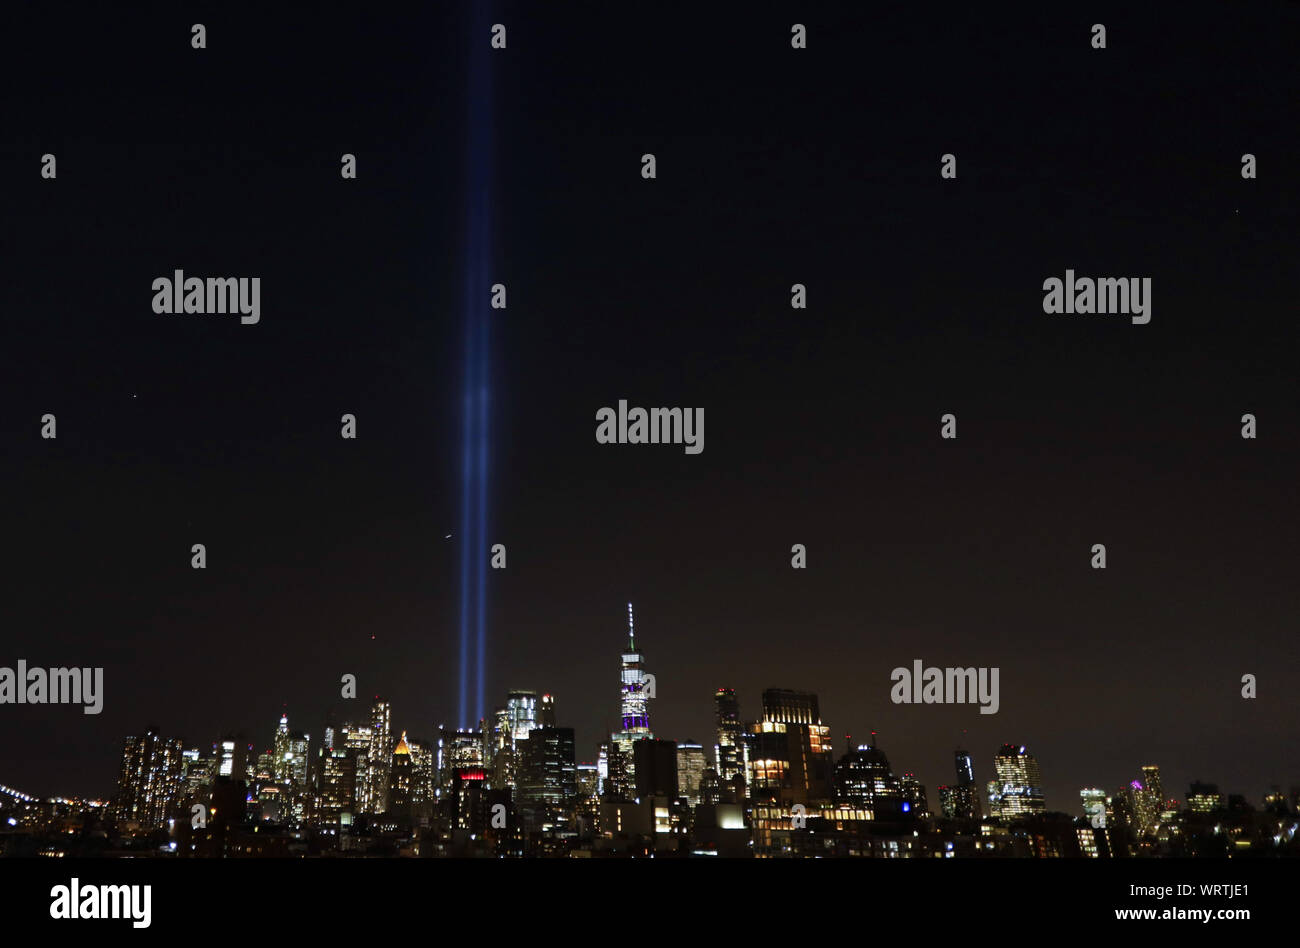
(963, 299)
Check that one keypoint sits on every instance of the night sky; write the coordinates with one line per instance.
(775, 166)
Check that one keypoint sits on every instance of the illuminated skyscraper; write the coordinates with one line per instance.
(588, 777)
(149, 785)
(728, 753)
(547, 779)
(521, 712)
(235, 761)
(691, 764)
(199, 770)
(1095, 806)
(338, 784)
(460, 751)
(1019, 783)
(380, 754)
(1148, 800)
(279, 769)
(965, 766)
(295, 761)
(633, 700)
(400, 781)
(864, 780)
(790, 750)
(993, 796)
(1151, 778)
(914, 798)
(498, 748)
(357, 741)
(964, 796)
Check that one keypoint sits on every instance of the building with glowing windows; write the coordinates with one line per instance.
(728, 753)
(790, 750)
(296, 759)
(1204, 798)
(400, 782)
(279, 768)
(547, 780)
(150, 781)
(1096, 804)
(235, 753)
(691, 764)
(961, 801)
(356, 741)
(1148, 801)
(634, 708)
(338, 784)
(521, 715)
(1019, 787)
(460, 751)
(546, 711)
(199, 769)
(865, 781)
(915, 802)
(380, 757)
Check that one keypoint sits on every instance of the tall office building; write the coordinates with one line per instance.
(296, 759)
(149, 785)
(790, 750)
(338, 784)
(588, 780)
(948, 802)
(459, 751)
(198, 771)
(602, 769)
(691, 764)
(279, 768)
(521, 713)
(865, 781)
(380, 756)
(357, 739)
(1095, 807)
(728, 753)
(965, 766)
(1148, 800)
(964, 795)
(400, 781)
(546, 711)
(915, 802)
(547, 778)
(235, 757)
(424, 779)
(634, 706)
(498, 748)
(1019, 783)
(993, 796)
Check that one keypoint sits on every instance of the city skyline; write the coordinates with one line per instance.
(856, 256)
(841, 743)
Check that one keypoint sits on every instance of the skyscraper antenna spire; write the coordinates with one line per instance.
(631, 636)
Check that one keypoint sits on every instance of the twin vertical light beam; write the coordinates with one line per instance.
(474, 444)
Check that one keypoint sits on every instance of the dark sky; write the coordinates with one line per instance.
(775, 166)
